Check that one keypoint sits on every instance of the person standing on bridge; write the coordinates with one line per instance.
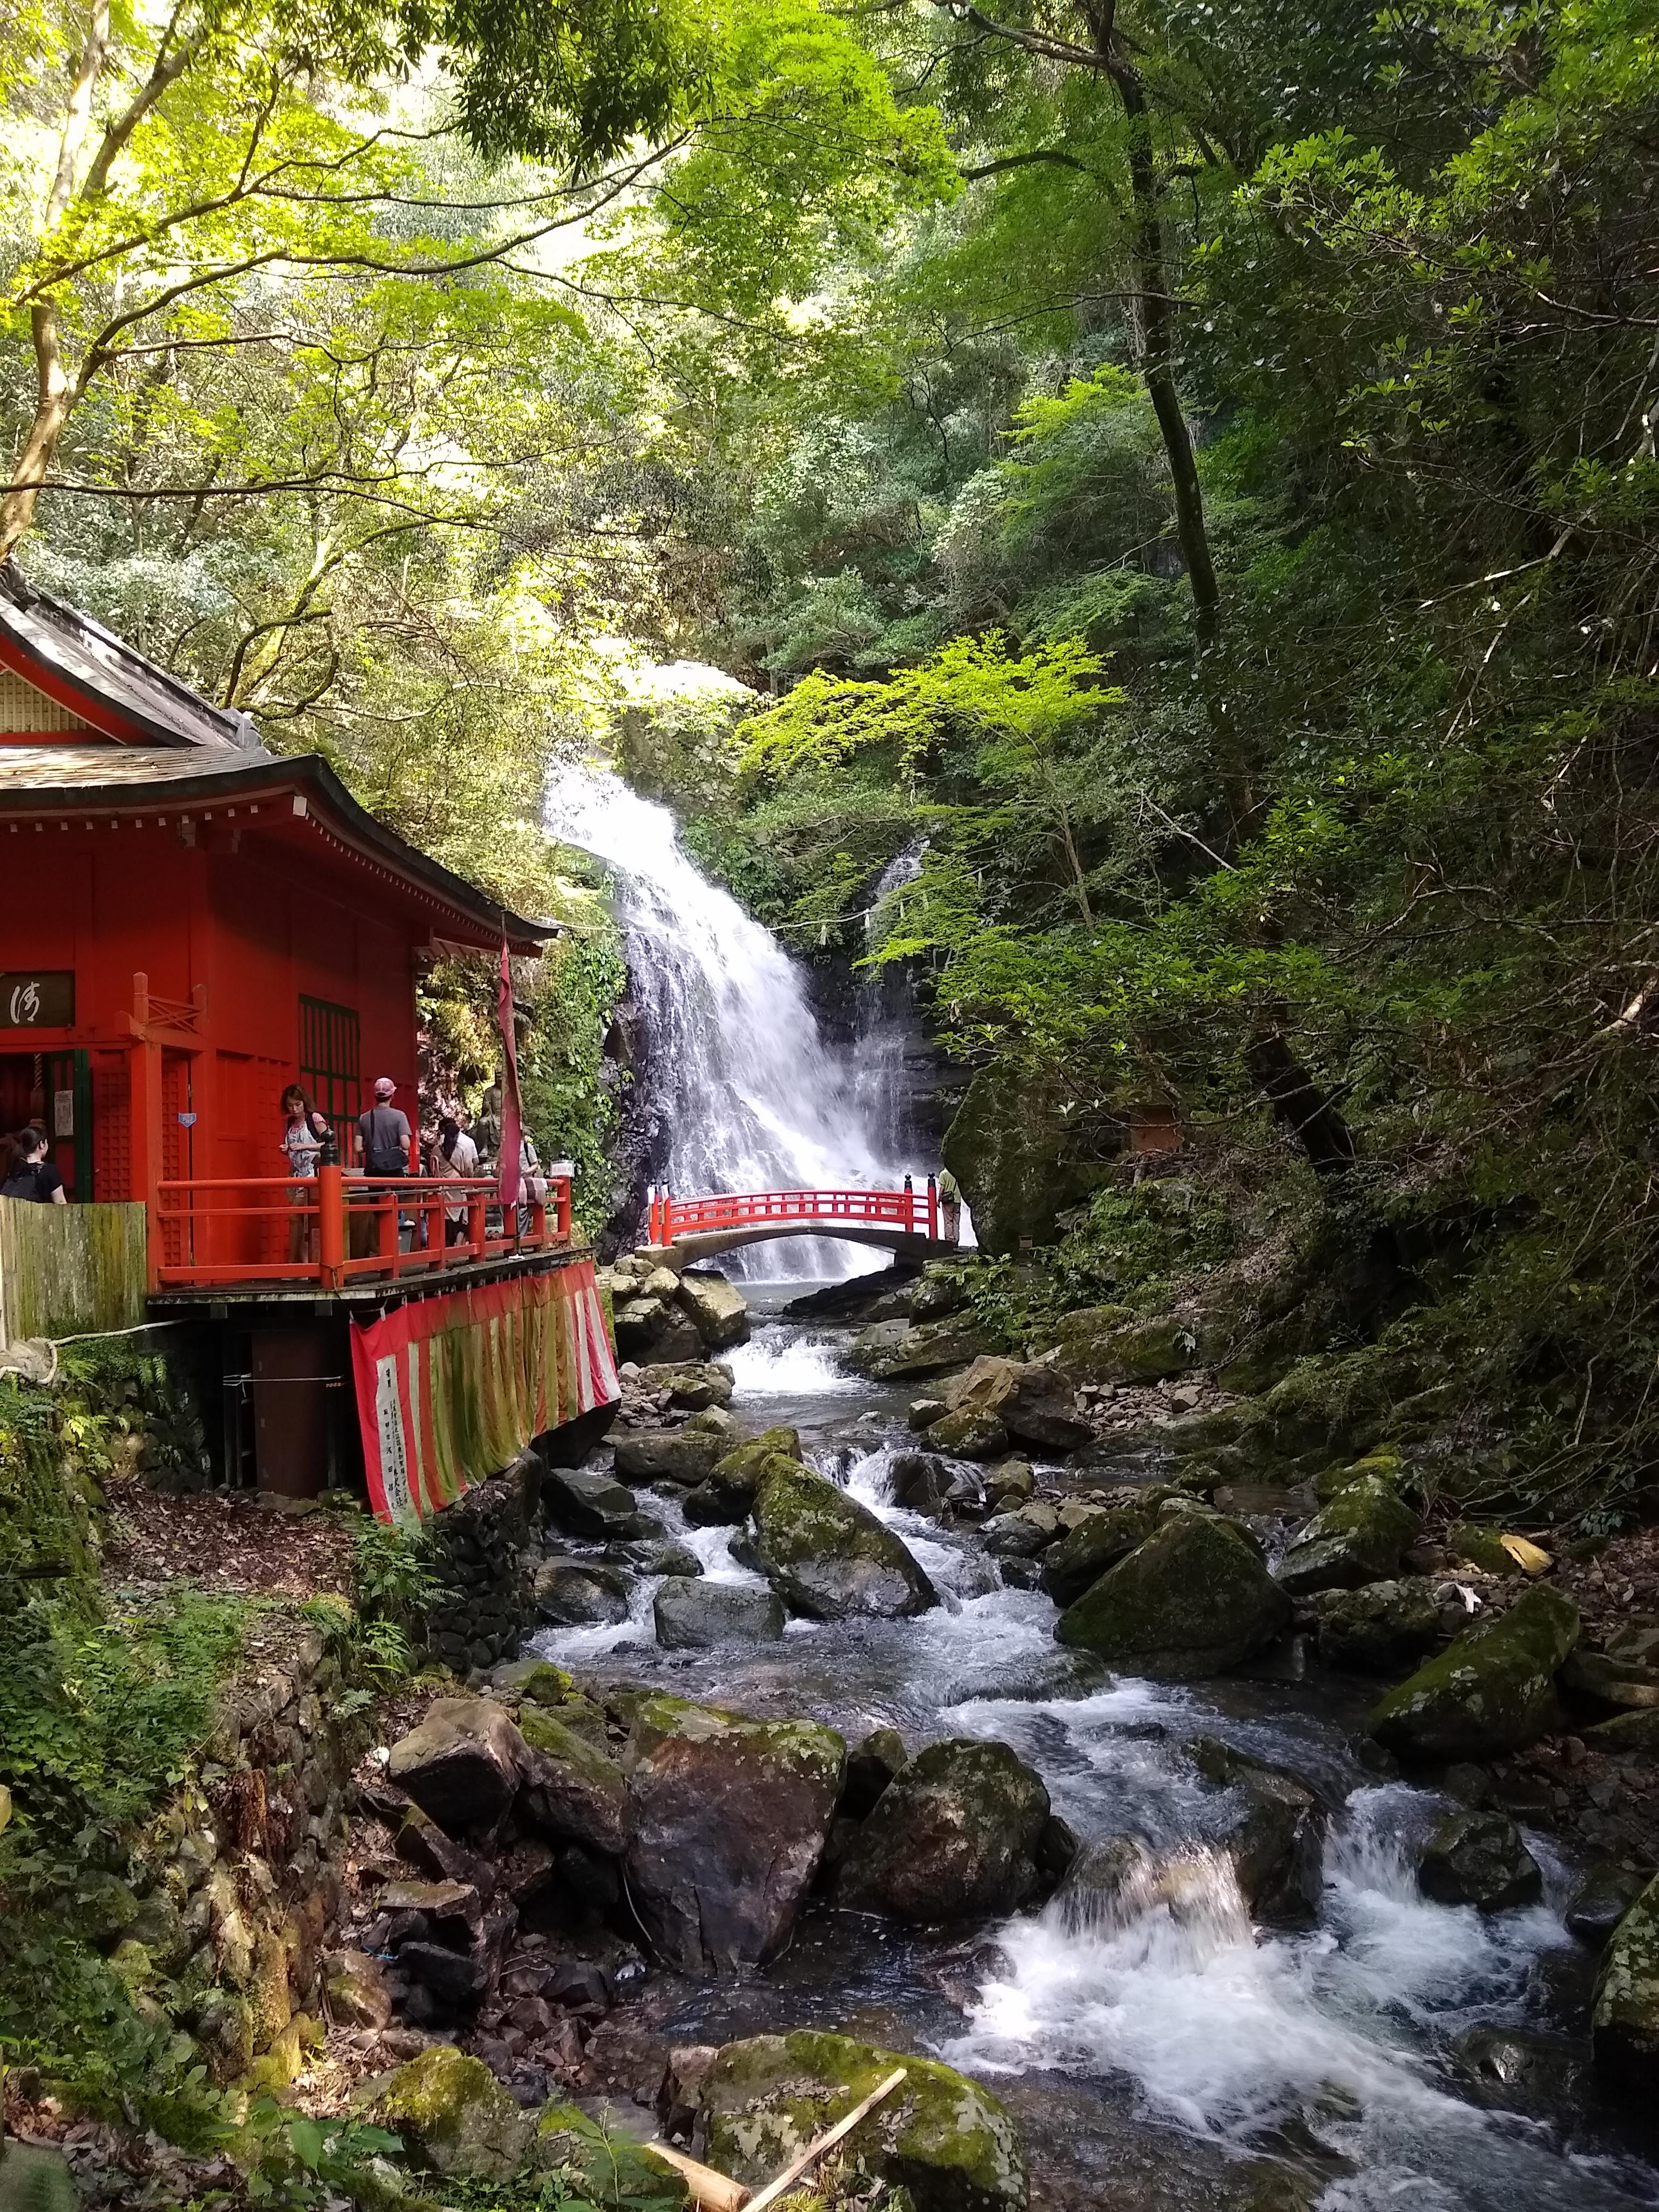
(950, 1207)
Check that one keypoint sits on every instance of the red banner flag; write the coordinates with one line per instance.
(509, 1166)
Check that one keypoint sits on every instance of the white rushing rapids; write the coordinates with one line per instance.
(743, 1091)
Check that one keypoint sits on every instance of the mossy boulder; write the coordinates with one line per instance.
(35, 2177)
(1079, 1558)
(1625, 2012)
(727, 1821)
(890, 1350)
(953, 1836)
(1491, 1690)
(537, 1681)
(684, 1456)
(940, 2135)
(1482, 1547)
(970, 1432)
(1359, 1537)
(829, 1557)
(1379, 1628)
(455, 2115)
(1193, 1600)
(571, 1791)
(1012, 1148)
(725, 1499)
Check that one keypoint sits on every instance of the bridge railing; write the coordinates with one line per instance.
(913, 1211)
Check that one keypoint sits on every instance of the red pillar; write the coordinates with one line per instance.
(330, 1223)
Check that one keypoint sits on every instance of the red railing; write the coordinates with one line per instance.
(915, 1211)
(338, 1229)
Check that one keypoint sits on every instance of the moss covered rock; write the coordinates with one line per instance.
(1479, 1858)
(892, 1349)
(940, 2135)
(1193, 1600)
(1379, 1628)
(1482, 1547)
(572, 1790)
(727, 1821)
(970, 1432)
(455, 2115)
(1357, 1537)
(1491, 1690)
(953, 1836)
(1081, 1557)
(1625, 2012)
(829, 1557)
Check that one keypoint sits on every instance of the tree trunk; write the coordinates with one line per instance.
(54, 399)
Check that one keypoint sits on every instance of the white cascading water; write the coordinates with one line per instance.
(747, 1095)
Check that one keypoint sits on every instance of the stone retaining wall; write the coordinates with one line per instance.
(484, 1547)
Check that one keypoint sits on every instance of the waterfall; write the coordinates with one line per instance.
(742, 1093)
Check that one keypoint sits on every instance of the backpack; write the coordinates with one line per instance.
(383, 1149)
(23, 1182)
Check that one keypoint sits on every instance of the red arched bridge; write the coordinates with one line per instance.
(914, 1223)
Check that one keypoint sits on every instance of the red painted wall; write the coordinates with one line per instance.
(257, 923)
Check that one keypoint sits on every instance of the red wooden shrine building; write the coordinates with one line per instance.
(188, 924)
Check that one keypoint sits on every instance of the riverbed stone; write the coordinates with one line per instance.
(1480, 1859)
(728, 1819)
(727, 1496)
(657, 1555)
(536, 1679)
(685, 1457)
(940, 2135)
(586, 1595)
(1081, 1557)
(1273, 1827)
(697, 1615)
(1601, 1900)
(1193, 1600)
(451, 2109)
(1519, 2069)
(1379, 1627)
(461, 1765)
(1029, 1399)
(573, 1790)
(953, 1836)
(694, 1384)
(588, 1503)
(1359, 1536)
(870, 1765)
(1492, 1691)
(716, 1306)
(829, 1557)
(892, 1349)
(1009, 1483)
(1624, 2011)
(970, 1432)
(1024, 1531)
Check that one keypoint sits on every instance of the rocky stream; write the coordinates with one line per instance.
(1187, 1918)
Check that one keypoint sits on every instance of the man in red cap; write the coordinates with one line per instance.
(383, 1134)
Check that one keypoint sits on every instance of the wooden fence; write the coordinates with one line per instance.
(70, 1270)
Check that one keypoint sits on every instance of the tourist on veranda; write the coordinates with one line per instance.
(383, 1132)
(304, 1134)
(455, 1157)
(30, 1175)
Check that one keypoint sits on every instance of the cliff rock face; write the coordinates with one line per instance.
(1010, 1150)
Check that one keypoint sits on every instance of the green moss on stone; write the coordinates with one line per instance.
(457, 2115)
(1193, 1600)
(939, 2135)
(1490, 1691)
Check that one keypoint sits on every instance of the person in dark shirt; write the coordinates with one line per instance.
(32, 1174)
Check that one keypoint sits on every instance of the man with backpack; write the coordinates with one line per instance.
(383, 1134)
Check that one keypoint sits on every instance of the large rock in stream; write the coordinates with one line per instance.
(1625, 2012)
(1031, 1400)
(1193, 1600)
(829, 1557)
(727, 1821)
(1359, 1536)
(953, 1836)
(1490, 1691)
(573, 1790)
(940, 2135)
(890, 1349)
